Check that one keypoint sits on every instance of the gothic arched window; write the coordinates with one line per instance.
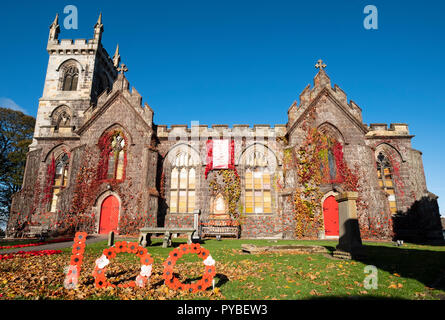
(116, 157)
(70, 79)
(183, 184)
(61, 117)
(386, 182)
(332, 165)
(60, 178)
(257, 184)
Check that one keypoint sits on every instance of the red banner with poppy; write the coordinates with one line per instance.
(220, 155)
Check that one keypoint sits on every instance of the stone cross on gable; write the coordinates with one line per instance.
(122, 69)
(320, 65)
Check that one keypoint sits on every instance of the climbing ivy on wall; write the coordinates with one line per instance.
(314, 168)
(91, 175)
(311, 166)
(228, 183)
(85, 190)
(50, 174)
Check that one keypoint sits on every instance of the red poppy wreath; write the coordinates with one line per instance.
(100, 278)
(209, 271)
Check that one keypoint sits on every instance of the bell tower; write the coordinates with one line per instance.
(78, 72)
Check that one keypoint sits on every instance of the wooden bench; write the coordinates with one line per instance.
(219, 228)
(145, 235)
(34, 231)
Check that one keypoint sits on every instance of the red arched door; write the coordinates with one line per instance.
(109, 215)
(330, 214)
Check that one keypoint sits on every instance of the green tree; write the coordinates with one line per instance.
(16, 132)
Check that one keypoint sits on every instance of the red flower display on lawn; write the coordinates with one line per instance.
(122, 247)
(24, 254)
(72, 278)
(209, 272)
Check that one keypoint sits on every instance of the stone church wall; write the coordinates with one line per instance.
(73, 122)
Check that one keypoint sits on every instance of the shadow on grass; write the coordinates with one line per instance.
(425, 266)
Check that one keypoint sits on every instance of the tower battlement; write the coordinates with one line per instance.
(382, 130)
(218, 130)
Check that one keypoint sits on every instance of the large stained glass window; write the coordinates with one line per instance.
(257, 184)
(183, 184)
(116, 158)
(60, 179)
(386, 182)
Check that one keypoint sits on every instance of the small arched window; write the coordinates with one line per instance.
(70, 79)
(183, 184)
(61, 117)
(60, 178)
(386, 182)
(332, 165)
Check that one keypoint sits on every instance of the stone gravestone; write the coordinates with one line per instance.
(111, 238)
(197, 234)
(349, 243)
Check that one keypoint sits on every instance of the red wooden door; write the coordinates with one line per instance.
(330, 214)
(109, 215)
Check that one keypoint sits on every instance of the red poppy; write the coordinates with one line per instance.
(110, 253)
(146, 259)
(203, 253)
(132, 247)
(205, 282)
(195, 247)
(141, 252)
(101, 282)
(168, 274)
(175, 254)
(193, 288)
(200, 286)
(209, 272)
(172, 283)
(179, 285)
(80, 236)
(184, 248)
(169, 262)
(76, 259)
(97, 273)
(121, 246)
(78, 248)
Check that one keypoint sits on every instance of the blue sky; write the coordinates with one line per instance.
(232, 62)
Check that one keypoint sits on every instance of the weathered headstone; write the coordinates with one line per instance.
(111, 238)
(196, 235)
(349, 243)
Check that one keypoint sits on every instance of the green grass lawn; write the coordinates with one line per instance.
(407, 272)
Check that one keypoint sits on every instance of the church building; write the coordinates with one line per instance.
(99, 162)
